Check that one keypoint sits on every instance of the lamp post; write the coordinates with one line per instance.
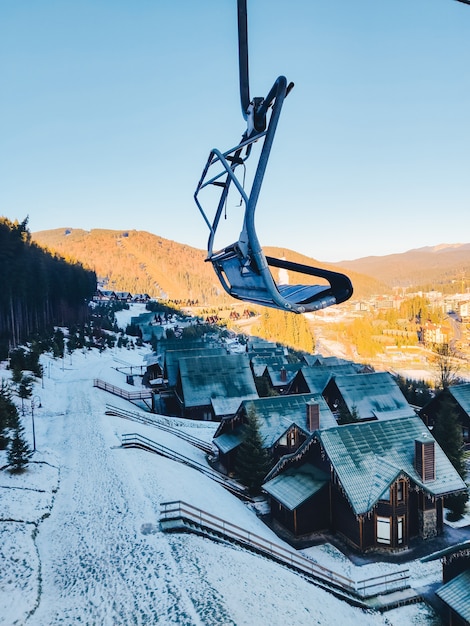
(35, 403)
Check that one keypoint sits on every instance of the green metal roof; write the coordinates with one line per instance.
(230, 440)
(375, 396)
(260, 363)
(295, 486)
(369, 456)
(456, 594)
(454, 549)
(288, 370)
(461, 394)
(277, 414)
(172, 358)
(316, 378)
(208, 378)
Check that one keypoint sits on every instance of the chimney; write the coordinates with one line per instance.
(283, 373)
(313, 415)
(425, 461)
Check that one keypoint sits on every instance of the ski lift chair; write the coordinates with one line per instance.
(242, 267)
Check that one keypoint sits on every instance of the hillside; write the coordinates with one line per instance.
(80, 535)
(39, 290)
(140, 262)
(435, 266)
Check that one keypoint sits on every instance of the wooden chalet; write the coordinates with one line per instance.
(104, 295)
(213, 387)
(124, 296)
(317, 360)
(260, 363)
(314, 378)
(260, 347)
(458, 397)
(172, 358)
(454, 594)
(310, 380)
(376, 484)
(373, 396)
(285, 423)
(279, 377)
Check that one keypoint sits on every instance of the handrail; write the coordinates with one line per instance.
(145, 394)
(135, 440)
(386, 583)
(154, 421)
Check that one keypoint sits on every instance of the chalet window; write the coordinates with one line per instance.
(400, 529)
(383, 530)
(283, 440)
(400, 491)
(291, 438)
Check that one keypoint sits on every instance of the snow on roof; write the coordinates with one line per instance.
(369, 456)
(456, 594)
(83, 526)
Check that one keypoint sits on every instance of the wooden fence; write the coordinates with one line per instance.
(178, 516)
(143, 394)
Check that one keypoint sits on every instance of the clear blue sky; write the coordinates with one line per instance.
(109, 109)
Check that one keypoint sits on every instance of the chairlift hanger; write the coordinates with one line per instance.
(242, 267)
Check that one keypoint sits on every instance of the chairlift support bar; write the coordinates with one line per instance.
(242, 267)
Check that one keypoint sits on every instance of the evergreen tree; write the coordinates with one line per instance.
(345, 416)
(25, 389)
(447, 432)
(8, 413)
(19, 452)
(253, 460)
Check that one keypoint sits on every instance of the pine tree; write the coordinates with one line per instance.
(253, 460)
(8, 413)
(19, 452)
(447, 432)
(25, 389)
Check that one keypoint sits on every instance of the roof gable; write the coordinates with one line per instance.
(316, 378)
(293, 487)
(456, 594)
(373, 395)
(461, 394)
(369, 456)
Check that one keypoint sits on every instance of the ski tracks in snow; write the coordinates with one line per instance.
(127, 576)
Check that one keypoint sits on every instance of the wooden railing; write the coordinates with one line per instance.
(176, 515)
(135, 440)
(144, 394)
(159, 422)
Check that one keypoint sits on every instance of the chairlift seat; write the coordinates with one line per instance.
(248, 277)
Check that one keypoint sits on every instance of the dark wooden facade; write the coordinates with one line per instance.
(428, 412)
(403, 513)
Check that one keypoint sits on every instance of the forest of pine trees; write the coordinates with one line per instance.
(39, 289)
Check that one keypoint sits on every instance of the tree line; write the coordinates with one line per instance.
(39, 289)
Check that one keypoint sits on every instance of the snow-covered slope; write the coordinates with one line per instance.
(79, 535)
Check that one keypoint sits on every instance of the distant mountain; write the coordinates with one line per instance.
(140, 262)
(437, 267)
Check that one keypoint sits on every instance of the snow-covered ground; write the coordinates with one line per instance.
(80, 541)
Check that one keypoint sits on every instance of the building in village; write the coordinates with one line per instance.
(377, 484)
(213, 387)
(454, 593)
(285, 423)
(314, 379)
(456, 397)
(370, 396)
